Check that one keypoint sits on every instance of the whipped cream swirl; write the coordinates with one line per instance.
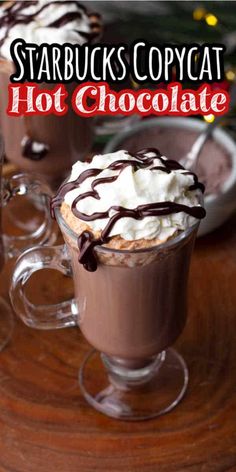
(129, 187)
(44, 21)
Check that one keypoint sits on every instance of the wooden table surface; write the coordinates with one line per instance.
(46, 424)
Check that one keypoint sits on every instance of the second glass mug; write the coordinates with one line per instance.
(131, 309)
(12, 245)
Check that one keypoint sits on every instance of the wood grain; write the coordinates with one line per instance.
(46, 425)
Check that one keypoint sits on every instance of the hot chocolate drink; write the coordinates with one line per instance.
(46, 145)
(129, 222)
(135, 305)
(135, 299)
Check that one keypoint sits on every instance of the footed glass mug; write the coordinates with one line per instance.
(47, 145)
(131, 309)
(39, 231)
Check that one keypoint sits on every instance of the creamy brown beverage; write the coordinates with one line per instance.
(130, 265)
(133, 313)
(47, 145)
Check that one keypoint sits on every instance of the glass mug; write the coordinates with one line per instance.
(12, 245)
(61, 140)
(131, 309)
(47, 145)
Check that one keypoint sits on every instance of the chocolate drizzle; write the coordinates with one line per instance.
(86, 241)
(15, 15)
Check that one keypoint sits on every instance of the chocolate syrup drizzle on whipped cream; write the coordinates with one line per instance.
(14, 15)
(86, 241)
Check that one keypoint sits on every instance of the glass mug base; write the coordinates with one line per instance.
(6, 323)
(134, 394)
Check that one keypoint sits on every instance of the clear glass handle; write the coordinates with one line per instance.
(60, 315)
(40, 193)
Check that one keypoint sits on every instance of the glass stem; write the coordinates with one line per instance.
(131, 373)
